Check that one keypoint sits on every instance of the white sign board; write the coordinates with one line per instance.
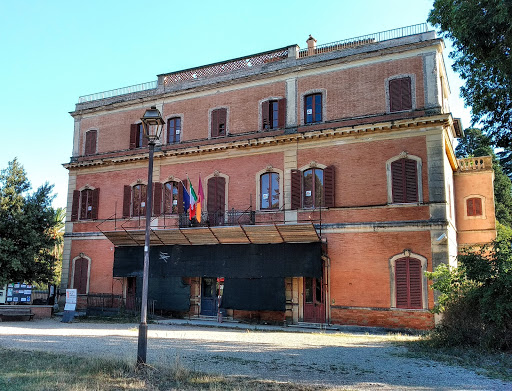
(70, 300)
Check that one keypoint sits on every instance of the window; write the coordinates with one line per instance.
(173, 130)
(313, 188)
(404, 181)
(134, 200)
(313, 108)
(313, 184)
(219, 122)
(216, 199)
(269, 196)
(81, 275)
(85, 204)
(171, 197)
(408, 280)
(90, 142)
(137, 139)
(273, 114)
(400, 94)
(474, 206)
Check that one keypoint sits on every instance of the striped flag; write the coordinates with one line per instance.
(193, 200)
(200, 199)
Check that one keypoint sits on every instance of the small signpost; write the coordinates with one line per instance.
(70, 306)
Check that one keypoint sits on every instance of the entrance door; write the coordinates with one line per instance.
(209, 296)
(314, 300)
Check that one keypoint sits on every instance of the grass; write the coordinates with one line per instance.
(38, 371)
(496, 365)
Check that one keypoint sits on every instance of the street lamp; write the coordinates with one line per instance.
(152, 124)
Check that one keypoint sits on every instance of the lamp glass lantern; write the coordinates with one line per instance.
(153, 124)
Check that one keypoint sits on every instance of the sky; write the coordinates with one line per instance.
(55, 51)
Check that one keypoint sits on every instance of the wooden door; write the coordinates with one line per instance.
(314, 300)
(216, 200)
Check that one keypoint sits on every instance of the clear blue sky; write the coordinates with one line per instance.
(55, 51)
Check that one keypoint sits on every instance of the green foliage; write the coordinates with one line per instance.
(482, 36)
(27, 220)
(474, 143)
(476, 297)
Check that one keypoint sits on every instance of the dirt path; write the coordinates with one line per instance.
(337, 360)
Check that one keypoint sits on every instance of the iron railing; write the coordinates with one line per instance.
(366, 39)
(150, 85)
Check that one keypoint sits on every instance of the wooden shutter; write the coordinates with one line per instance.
(222, 121)
(478, 206)
(157, 198)
(281, 117)
(395, 103)
(127, 200)
(408, 277)
(474, 206)
(404, 181)
(90, 142)
(215, 123)
(221, 194)
(75, 205)
(84, 202)
(296, 188)
(415, 277)
(80, 277)
(329, 201)
(95, 203)
(265, 115)
(181, 208)
(133, 136)
(405, 93)
(411, 180)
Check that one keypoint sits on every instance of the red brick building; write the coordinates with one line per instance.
(329, 178)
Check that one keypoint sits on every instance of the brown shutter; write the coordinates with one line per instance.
(210, 195)
(478, 206)
(296, 188)
(411, 180)
(143, 199)
(469, 206)
(133, 136)
(329, 201)
(221, 194)
(181, 208)
(95, 203)
(395, 103)
(281, 115)
(144, 138)
(405, 92)
(415, 284)
(157, 198)
(401, 283)
(265, 115)
(397, 181)
(127, 200)
(90, 142)
(75, 205)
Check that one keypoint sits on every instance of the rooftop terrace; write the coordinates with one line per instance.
(258, 60)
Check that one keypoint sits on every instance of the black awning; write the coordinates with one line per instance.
(235, 261)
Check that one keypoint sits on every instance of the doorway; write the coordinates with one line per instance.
(211, 292)
(314, 300)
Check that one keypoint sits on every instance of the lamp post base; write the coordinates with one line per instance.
(142, 345)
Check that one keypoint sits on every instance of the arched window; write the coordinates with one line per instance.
(408, 281)
(90, 142)
(269, 190)
(139, 198)
(404, 179)
(171, 197)
(85, 204)
(313, 187)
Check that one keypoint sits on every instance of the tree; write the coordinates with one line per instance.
(27, 223)
(477, 144)
(475, 298)
(481, 32)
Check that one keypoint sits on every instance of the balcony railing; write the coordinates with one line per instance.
(366, 39)
(475, 163)
(150, 85)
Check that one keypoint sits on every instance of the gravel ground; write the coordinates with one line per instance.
(341, 361)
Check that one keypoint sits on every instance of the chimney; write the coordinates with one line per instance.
(311, 45)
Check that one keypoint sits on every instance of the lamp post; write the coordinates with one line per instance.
(152, 124)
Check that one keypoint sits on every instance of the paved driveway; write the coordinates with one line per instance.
(354, 361)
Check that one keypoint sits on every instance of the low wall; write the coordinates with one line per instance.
(41, 311)
(392, 318)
